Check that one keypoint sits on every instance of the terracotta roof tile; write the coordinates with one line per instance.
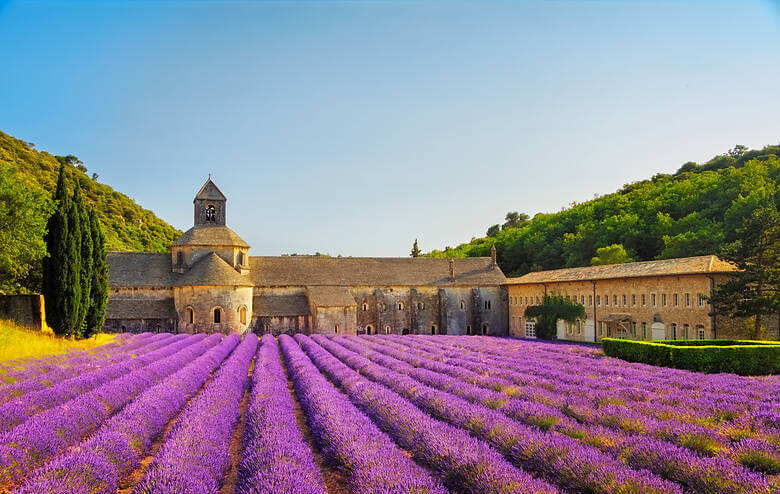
(212, 270)
(665, 267)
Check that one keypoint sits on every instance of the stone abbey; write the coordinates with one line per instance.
(209, 283)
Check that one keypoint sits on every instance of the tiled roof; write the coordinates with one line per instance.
(372, 271)
(666, 267)
(210, 235)
(330, 296)
(140, 269)
(281, 305)
(212, 270)
(210, 191)
(123, 308)
(152, 269)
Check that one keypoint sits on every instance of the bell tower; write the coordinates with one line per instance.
(209, 205)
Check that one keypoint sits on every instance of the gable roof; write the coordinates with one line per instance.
(280, 305)
(210, 192)
(142, 269)
(372, 271)
(330, 296)
(210, 236)
(139, 269)
(665, 267)
(212, 270)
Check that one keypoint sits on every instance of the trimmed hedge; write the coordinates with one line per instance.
(746, 358)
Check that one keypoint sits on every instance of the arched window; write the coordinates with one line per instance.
(217, 316)
(336, 328)
(365, 306)
(468, 328)
(433, 329)
(242, 258)
(242, 315)
(388, 329)
(190, 315)
(369, 329)
(420, 306)
(400, 306)
(484, 328)
(462, 305)
(211, 213)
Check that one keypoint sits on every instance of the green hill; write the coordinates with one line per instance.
(27, 181)
(692, 212)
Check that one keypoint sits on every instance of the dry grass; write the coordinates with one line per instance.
(18, 342)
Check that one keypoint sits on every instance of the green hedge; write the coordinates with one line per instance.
(746, 358)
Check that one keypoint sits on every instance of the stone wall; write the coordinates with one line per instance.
(335, 320)
(25, 310)
(204, 300)
(670, 302)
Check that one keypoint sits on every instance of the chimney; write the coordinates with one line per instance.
(493, 262)
(452, 268)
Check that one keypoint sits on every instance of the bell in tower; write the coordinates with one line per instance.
(209, 205)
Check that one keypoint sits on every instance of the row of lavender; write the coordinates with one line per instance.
(640, 449)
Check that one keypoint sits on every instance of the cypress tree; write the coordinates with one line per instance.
(71, 304)
(85, 231)
(55, 264)
(96, 314)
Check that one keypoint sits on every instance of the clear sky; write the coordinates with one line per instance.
(352, 127)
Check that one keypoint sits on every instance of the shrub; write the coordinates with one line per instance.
(746, 358)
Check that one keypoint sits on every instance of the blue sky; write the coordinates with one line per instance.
(353, 127)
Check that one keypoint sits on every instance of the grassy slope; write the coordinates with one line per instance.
(17, 342)
(127, 225)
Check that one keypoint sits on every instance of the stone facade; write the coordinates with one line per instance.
(209, 283)
(25, 310)
(645, 301)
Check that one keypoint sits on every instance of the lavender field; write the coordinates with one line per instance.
(378, 414)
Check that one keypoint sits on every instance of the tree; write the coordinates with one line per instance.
(554, 307)
(71, 306)
(86, 258)
(515, 220)
(55, 265)
(493, 230)
(415, 250)
(22, 227)
(96, 314)
(752, 292)
(612, 254)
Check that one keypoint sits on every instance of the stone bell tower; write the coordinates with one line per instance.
(209, 205)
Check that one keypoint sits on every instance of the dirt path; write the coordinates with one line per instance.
(334, 480)
(231, 477)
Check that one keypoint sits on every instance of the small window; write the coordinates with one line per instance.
(484, 328)
(700, 331)
(674, 331)
(598, 300)
(242, 315)
(653, 300)
(190, 315)
(687, 299)
(582, 299)
(615, 300)
(685, 331)
(633, 300)
(633, 329)
(336, 329)
(530, 329)
(388, 329)
(676, 300)
(601, 328)
(433, 329)
(606, 300)
(644, 300)
(663, 300)
(590, 300)
(487, 304)
(625, 301)
(701, 300)
(644, 330)
(420, 306)
(211, 213)
(365, 307)
(462, 305)
(217, 316)
(468, 328)
(400, 306)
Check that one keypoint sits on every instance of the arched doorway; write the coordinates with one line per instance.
(369, 329)
(484, 328)
(405, 331)
(468, 329)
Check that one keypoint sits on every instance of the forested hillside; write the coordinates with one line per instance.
(27, 180)
(692, 212)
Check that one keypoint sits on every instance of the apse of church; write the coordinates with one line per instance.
(209, 283)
